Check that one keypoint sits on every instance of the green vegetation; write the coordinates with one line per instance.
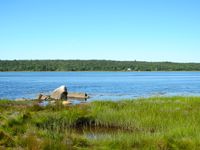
(162, 123)
(94, 65)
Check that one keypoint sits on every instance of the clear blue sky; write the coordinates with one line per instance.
(150, 30)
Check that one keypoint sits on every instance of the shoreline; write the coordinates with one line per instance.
(96, 71)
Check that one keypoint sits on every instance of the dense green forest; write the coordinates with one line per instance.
(94, 65)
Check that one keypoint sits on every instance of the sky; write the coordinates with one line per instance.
(143, 30)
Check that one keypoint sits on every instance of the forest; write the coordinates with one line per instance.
(94, 65)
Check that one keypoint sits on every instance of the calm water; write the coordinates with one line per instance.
(100, 85)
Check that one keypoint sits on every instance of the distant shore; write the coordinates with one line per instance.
(94, 65)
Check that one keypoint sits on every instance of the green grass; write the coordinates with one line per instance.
(163, 123)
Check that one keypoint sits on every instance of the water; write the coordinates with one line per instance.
(100, 85)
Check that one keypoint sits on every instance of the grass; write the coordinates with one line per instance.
(162, 123)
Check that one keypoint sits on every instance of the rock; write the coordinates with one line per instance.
(39, 96)
(66, 103)
(42, 97)
(59, 93)
(78, 95)
(21, 99)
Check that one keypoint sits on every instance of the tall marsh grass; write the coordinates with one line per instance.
(152, 123)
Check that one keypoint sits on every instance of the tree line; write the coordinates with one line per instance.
(94, 65)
